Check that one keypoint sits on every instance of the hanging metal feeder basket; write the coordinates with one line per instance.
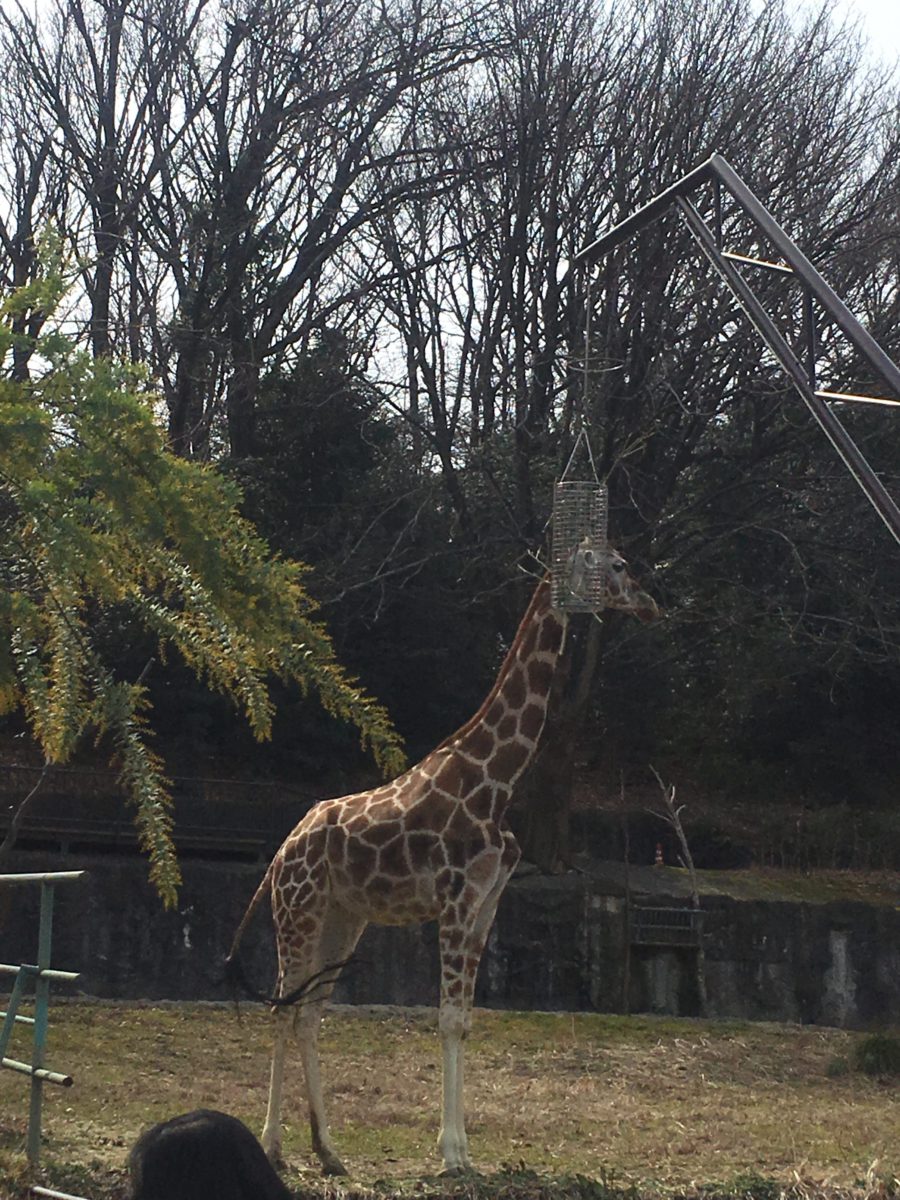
(579, 539)
(578, 543)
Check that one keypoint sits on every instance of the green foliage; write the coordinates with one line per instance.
(838, 1067)
(878, 1054)
(752, 1186)
(98, 518)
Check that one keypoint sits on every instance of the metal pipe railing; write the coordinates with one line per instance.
(42, 974)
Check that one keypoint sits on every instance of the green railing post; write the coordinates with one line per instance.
(41, 1020)
(10, 1016)
(43, 975)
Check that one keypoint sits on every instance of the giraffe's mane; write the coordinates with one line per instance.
(540, 591)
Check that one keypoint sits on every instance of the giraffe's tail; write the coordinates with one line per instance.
(236, 976)
(234, 970)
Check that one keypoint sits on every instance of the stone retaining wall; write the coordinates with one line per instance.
(558, 943)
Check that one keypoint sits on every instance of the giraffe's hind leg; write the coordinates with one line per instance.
(296, 925)
(271, 1134)
(339, 934)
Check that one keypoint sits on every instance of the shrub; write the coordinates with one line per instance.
(878, 1054)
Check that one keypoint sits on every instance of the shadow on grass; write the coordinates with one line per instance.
(97, 1181)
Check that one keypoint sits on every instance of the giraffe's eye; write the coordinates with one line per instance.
(618, 565)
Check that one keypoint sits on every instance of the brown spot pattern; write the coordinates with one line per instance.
(392, 859)
(510, 759)
(551, 637)
(480, 803)
(420, 846)
(529, 641)
(515, 690)
(540, 676)
(507, 728)
(458, 777)
(381, 832)
(531, 722)
(479, 743)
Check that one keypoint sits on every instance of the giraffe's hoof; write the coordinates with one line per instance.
(332, 1165)
(452, 1172)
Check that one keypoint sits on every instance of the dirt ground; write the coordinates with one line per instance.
(654, 1105)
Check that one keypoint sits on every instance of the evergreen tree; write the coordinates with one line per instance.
(98, 519)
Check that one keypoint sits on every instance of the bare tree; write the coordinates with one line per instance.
(287, 168)
(671, 814)
(236, 176)
(582, 118)
(92, 72)
(32, 191)
(219, 159)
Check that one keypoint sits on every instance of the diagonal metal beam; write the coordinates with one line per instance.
(832, 303)
(716, 168)
(852, 456)
(717, 171)
(646, 215)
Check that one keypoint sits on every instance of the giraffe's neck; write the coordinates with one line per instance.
(504, 733)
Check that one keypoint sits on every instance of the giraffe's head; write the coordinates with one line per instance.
(619, 590)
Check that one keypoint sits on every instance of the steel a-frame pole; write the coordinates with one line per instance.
(852, 456)
(717, 171)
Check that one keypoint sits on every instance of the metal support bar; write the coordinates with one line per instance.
(42, 975)
(716, 168)
(20, 1020)
(809, 330)
(41, 1074)
(780, 268)
(41, 1021)
(851, 396)
(720, 174)
(717, 211)
(39, 972)
(9, 1019)
(42, 877)
(647, 214)
(829, 423)
(827, 297)
(42, 1191)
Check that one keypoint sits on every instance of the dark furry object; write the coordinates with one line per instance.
(202, 1155)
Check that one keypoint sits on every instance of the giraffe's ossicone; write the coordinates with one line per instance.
(433, 844)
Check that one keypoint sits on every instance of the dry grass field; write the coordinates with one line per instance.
(559, 1105)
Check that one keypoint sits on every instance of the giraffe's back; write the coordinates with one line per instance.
(400, 853)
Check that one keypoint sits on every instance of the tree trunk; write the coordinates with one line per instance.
(241, 403)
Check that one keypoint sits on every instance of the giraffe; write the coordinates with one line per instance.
(434, 843)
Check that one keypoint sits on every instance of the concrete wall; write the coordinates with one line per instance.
(558, 943)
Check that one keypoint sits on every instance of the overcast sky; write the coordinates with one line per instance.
(880, 23)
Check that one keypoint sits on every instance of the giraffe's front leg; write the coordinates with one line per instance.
(461, 950)
(452, 1142)
(453, 1026)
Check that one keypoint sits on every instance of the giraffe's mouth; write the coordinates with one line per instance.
(646, 609)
